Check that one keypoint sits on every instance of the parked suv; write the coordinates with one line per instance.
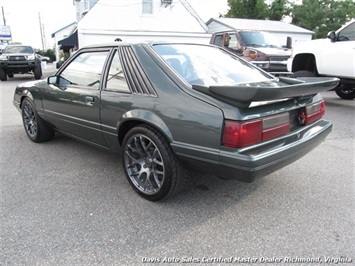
(19, 59)
(332, 57)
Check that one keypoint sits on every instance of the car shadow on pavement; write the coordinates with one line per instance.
(202, 188)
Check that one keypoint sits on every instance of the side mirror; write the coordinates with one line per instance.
(332, 36)
(289, 42)
(52, 80)
(226, 39)
(59, 82)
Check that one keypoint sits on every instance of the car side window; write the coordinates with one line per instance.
(86, 69)
(347, 34)
(217, 40)
(233, 42)
(116, 80)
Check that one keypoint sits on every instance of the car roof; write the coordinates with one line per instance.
(117, 44)
(109, 44)
(244, 30)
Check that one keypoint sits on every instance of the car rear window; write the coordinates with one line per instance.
(209, 65)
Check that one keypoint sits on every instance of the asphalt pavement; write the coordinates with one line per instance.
(66, 203)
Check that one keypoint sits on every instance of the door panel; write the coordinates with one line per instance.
(70, 111)
(338, 59)
(72, 104)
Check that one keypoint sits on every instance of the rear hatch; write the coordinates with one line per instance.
(269, 110)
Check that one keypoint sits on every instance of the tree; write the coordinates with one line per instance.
(279, 9)
(257, 9)
(252, 9)
(49, 52)
(322, 16)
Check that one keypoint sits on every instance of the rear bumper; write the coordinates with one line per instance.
(256, 161)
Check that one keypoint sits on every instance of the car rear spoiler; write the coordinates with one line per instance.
(242, 95)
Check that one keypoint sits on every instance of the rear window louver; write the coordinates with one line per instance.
(135, 76)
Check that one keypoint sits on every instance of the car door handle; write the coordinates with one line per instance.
(89, 100)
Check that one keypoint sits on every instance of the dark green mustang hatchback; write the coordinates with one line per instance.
(172, 107)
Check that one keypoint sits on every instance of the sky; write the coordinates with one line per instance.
(25, 17)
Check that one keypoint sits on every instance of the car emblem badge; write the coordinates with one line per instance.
(301, 118)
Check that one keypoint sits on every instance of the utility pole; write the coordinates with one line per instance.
(44, 38)
(40, 27)
(3, 15)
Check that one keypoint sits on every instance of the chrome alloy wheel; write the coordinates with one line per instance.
(144, 164)
(29, 120)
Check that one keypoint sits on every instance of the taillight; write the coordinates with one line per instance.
(315, 112)
(237, 134)
(312, 113)
(240, 134)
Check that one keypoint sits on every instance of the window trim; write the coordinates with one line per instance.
(115, 50)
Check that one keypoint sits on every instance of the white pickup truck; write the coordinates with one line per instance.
(332, 57)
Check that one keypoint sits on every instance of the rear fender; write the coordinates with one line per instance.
(137, 116)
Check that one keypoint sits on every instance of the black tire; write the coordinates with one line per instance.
(303, 73)
(38, 72)
(150, 165)
(10, 75)
(3, 76)
(36, 128)
(345, 91)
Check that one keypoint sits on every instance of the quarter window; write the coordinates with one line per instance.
(86, 69)
(116, 80)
